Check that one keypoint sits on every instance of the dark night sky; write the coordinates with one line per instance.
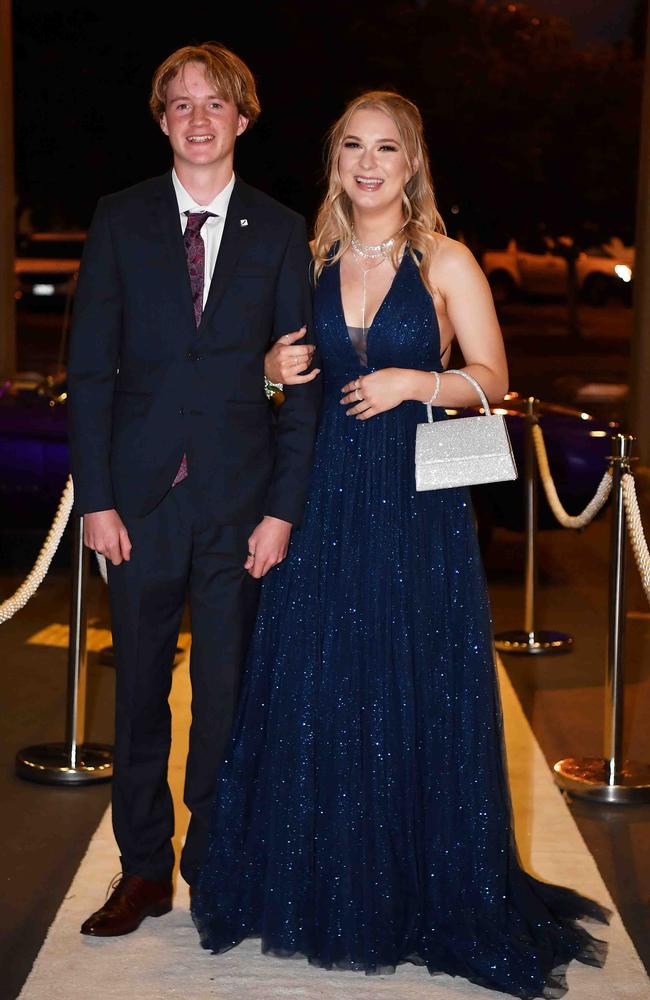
(82, 76)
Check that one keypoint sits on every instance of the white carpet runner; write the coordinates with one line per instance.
(163, 958)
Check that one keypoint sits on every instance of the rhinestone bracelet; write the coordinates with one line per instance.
(436, 391)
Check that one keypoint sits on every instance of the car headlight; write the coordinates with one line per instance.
(623, 271)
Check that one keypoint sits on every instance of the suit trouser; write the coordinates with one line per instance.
(176, 552)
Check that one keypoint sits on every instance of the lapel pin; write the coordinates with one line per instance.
(243, 222)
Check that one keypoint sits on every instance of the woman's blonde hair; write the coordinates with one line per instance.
(422, 218)
(229, 74)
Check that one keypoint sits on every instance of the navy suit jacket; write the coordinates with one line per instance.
(145, 386)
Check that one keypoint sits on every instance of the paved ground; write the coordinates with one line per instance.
(46, 830)
(563, 696)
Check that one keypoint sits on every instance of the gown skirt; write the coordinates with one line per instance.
(362, 815)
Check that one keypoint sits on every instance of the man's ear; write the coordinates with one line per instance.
(242, 124)
(163, 123)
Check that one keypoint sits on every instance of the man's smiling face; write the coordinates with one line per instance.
(201, 124)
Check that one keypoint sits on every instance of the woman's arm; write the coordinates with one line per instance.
(286, 360)
(470, 308)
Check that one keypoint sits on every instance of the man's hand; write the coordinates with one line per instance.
(267, 546)
(287, 359)
(104, 532)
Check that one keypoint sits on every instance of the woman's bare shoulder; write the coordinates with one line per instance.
(451, 259)
(450, 251)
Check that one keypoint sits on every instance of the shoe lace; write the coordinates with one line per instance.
(115, 882)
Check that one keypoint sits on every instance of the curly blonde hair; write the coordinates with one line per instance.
(422, 218)
(223, 68)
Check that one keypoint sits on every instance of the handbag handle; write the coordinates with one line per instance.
(472, 380)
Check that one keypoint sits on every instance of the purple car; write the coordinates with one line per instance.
(578, 446)
(34, 457)
(34, 462)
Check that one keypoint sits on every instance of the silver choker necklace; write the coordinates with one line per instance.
(371, 250)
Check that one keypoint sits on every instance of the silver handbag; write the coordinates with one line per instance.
(463, 452)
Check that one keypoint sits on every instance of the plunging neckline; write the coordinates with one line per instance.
(374, 318)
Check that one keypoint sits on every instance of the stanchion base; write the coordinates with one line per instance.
(588, 778)
(50, 764)
(530, 643)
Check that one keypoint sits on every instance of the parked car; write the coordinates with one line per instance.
(34, 460)
(538, 267)
(46, 267)
(615, 247)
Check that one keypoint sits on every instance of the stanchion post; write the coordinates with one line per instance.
(73, 762)
(610, 778)
(77, 659)
(614, 677)
(530, 640)
(530, 473)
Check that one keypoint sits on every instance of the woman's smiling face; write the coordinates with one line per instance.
(373, 166)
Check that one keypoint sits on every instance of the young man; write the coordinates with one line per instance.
(185, 482)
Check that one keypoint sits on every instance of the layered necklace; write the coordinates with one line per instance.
(371, 251)
(368, 257)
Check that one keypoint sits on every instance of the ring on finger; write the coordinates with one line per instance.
(358, 395)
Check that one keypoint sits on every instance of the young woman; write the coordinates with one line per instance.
(362, 816)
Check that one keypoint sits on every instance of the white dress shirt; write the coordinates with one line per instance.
(212, 230)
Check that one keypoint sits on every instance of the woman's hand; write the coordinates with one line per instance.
(375, 393)
(286, 360)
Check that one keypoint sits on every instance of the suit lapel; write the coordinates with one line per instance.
(167, 224)
(235, 234)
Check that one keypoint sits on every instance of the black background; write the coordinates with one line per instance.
(525, 123)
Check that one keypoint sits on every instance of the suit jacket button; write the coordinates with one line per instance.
(182, 412)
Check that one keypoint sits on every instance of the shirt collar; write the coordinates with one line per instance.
(186, 203)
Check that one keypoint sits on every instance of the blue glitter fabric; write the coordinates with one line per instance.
(362, 815)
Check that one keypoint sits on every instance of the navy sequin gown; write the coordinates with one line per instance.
(362, 814)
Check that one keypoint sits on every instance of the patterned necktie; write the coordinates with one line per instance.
(195, 253)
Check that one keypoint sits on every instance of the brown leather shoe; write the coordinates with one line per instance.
(133, 898)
